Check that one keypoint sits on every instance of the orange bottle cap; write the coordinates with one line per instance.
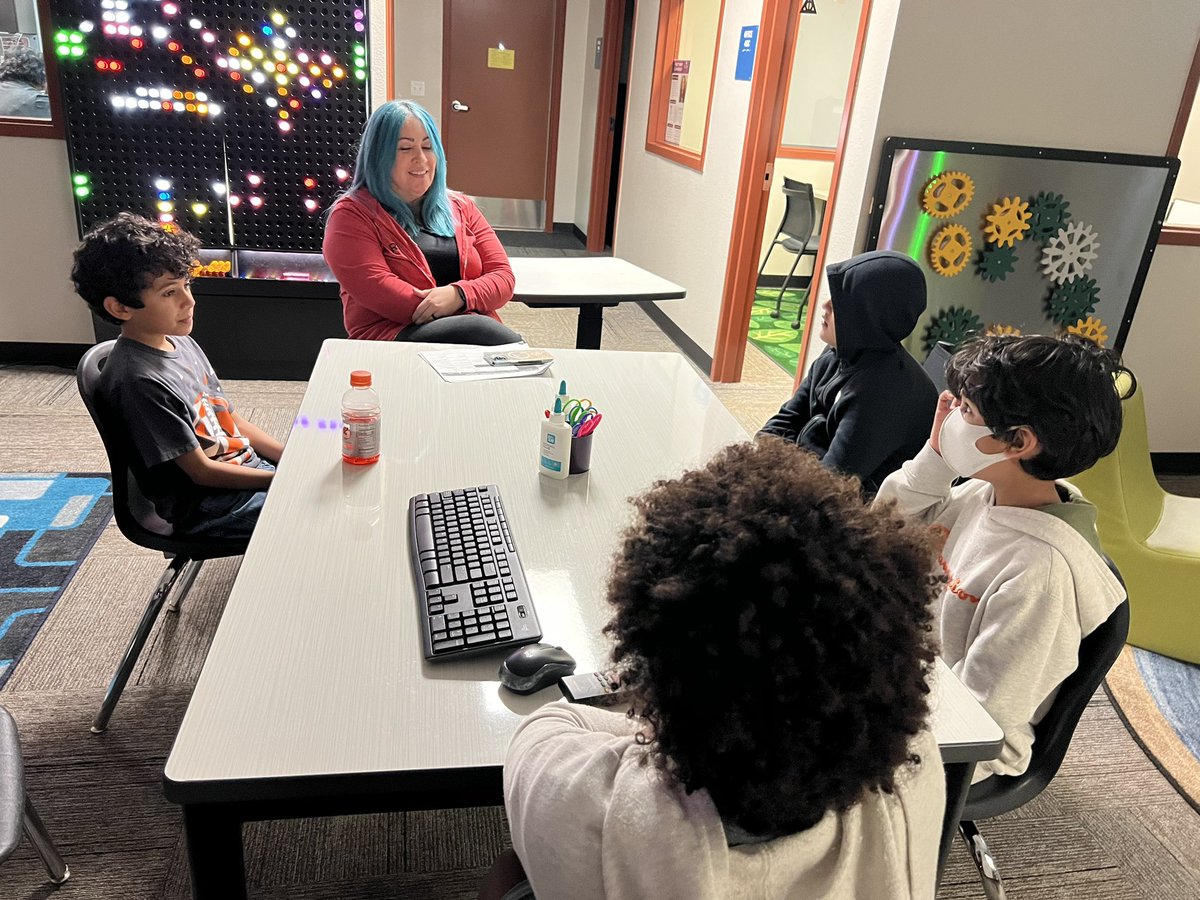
(360, 378)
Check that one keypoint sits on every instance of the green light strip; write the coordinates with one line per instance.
(916, 246)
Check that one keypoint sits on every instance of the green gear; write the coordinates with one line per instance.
(1072, 300)
(995, 263)
(1048, 215)
(954, 324)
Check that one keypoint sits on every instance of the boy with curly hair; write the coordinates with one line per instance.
(1026, 580)
(205, 468)
(775, 634)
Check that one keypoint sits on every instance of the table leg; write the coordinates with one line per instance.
(958, 783)
(591, 324)
(214, 842)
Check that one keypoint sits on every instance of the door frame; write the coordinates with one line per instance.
(556, 67)
(606, 112)
(780, 26)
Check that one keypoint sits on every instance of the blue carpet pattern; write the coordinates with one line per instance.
(1175, 687)
(48, 523)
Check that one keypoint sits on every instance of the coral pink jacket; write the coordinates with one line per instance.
(380, 268)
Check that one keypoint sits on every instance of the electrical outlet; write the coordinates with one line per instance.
(417, 88)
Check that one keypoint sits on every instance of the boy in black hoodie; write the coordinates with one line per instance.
(865, 406)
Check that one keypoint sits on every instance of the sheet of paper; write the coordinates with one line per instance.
(467, 363)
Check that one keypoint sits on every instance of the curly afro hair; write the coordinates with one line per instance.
(1061, 387)
(122, 257)
(776, 635)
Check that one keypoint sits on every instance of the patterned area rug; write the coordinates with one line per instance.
(776, 337)
(48, 523)
(1159, 700)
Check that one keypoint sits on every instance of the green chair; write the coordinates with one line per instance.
(1152, 536)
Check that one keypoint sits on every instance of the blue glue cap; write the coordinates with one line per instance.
(562, 387)
(558, 406)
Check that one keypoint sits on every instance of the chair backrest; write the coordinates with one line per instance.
(1128, 498)
(800, 217)
(1052, 736)
(133, 511)
(935, 364)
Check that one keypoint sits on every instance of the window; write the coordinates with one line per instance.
(29, 105)
(1182, 225)
(685, 62)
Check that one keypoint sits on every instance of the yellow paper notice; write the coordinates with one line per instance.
(501, 59)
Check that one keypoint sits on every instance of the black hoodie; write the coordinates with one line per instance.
(865, 406)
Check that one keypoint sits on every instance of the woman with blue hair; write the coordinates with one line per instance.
(416, 262)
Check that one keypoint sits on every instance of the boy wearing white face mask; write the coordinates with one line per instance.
(1025, 579)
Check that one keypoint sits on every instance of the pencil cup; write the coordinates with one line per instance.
(581, 454)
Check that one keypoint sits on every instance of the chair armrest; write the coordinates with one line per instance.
(12, 786)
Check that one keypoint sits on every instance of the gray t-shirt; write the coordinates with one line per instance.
(169, 403)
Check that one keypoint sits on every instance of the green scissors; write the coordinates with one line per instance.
(576, 412)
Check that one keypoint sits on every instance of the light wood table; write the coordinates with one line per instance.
(316, 699)
(589, 283)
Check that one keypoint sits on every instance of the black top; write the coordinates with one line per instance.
(442, 255)
(867, 406)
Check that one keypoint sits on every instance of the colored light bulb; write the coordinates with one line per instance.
(200, 209)
(310, 183)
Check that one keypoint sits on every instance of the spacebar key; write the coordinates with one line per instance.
(485, 638)
(424, 533)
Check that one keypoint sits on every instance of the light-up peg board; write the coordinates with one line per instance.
(235, 121)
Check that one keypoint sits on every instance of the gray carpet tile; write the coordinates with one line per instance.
(1108, 827)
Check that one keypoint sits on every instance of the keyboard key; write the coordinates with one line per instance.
(475, 639)
(448, 644)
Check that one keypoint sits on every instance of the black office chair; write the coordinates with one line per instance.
(795, 233)
(139, 523)
(1004, 793)
(815, 243)
(935, 364)
(17, 814)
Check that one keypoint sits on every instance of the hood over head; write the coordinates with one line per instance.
(877, 298)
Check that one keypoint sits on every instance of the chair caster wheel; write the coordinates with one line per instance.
(774, 314)
(796, 326)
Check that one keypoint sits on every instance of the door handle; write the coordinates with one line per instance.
(459, 107)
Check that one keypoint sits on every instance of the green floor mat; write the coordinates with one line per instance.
(776, 337)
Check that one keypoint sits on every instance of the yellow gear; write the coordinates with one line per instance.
(1091, 328)
(948, 194)
(996, 328)
(950, 250)
(1008, 222)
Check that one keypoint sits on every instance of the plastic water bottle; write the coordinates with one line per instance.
(360, 421)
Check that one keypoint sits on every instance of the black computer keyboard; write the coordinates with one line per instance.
(472, 591)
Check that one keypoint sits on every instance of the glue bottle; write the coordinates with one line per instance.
(554, 452)
(360, 421)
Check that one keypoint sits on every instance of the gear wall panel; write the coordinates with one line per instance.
(1028, 239)
(233, 120)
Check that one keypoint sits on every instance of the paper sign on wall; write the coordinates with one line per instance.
(747, 44)
(676, 99)
(501, 59)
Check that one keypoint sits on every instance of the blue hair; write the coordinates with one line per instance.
(377, 155)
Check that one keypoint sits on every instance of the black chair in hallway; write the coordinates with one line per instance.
(17, 814)
(139, 523)
(795, 234)
(1052, 736)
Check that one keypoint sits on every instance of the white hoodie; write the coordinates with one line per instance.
(1023, 588)
(591, 822)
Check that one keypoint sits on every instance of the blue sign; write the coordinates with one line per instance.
(747, 44)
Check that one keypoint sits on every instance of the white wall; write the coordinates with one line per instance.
(418, 57)
(1187, 187)
(811, 171)
(587, 116)
(417, 53)
(37, 236)
(673, 220)
(1099, 75)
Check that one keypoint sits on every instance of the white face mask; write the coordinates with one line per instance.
(957, 442)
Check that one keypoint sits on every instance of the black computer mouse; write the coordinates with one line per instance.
(535, 666)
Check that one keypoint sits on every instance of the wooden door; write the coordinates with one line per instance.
(499, 121)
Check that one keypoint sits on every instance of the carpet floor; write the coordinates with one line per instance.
(775, 336)
(1110, 825)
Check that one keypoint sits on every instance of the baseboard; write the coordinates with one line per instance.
(1175, 463)
(687, 346)
(37, 353)
(578, 232)
(800, 282)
